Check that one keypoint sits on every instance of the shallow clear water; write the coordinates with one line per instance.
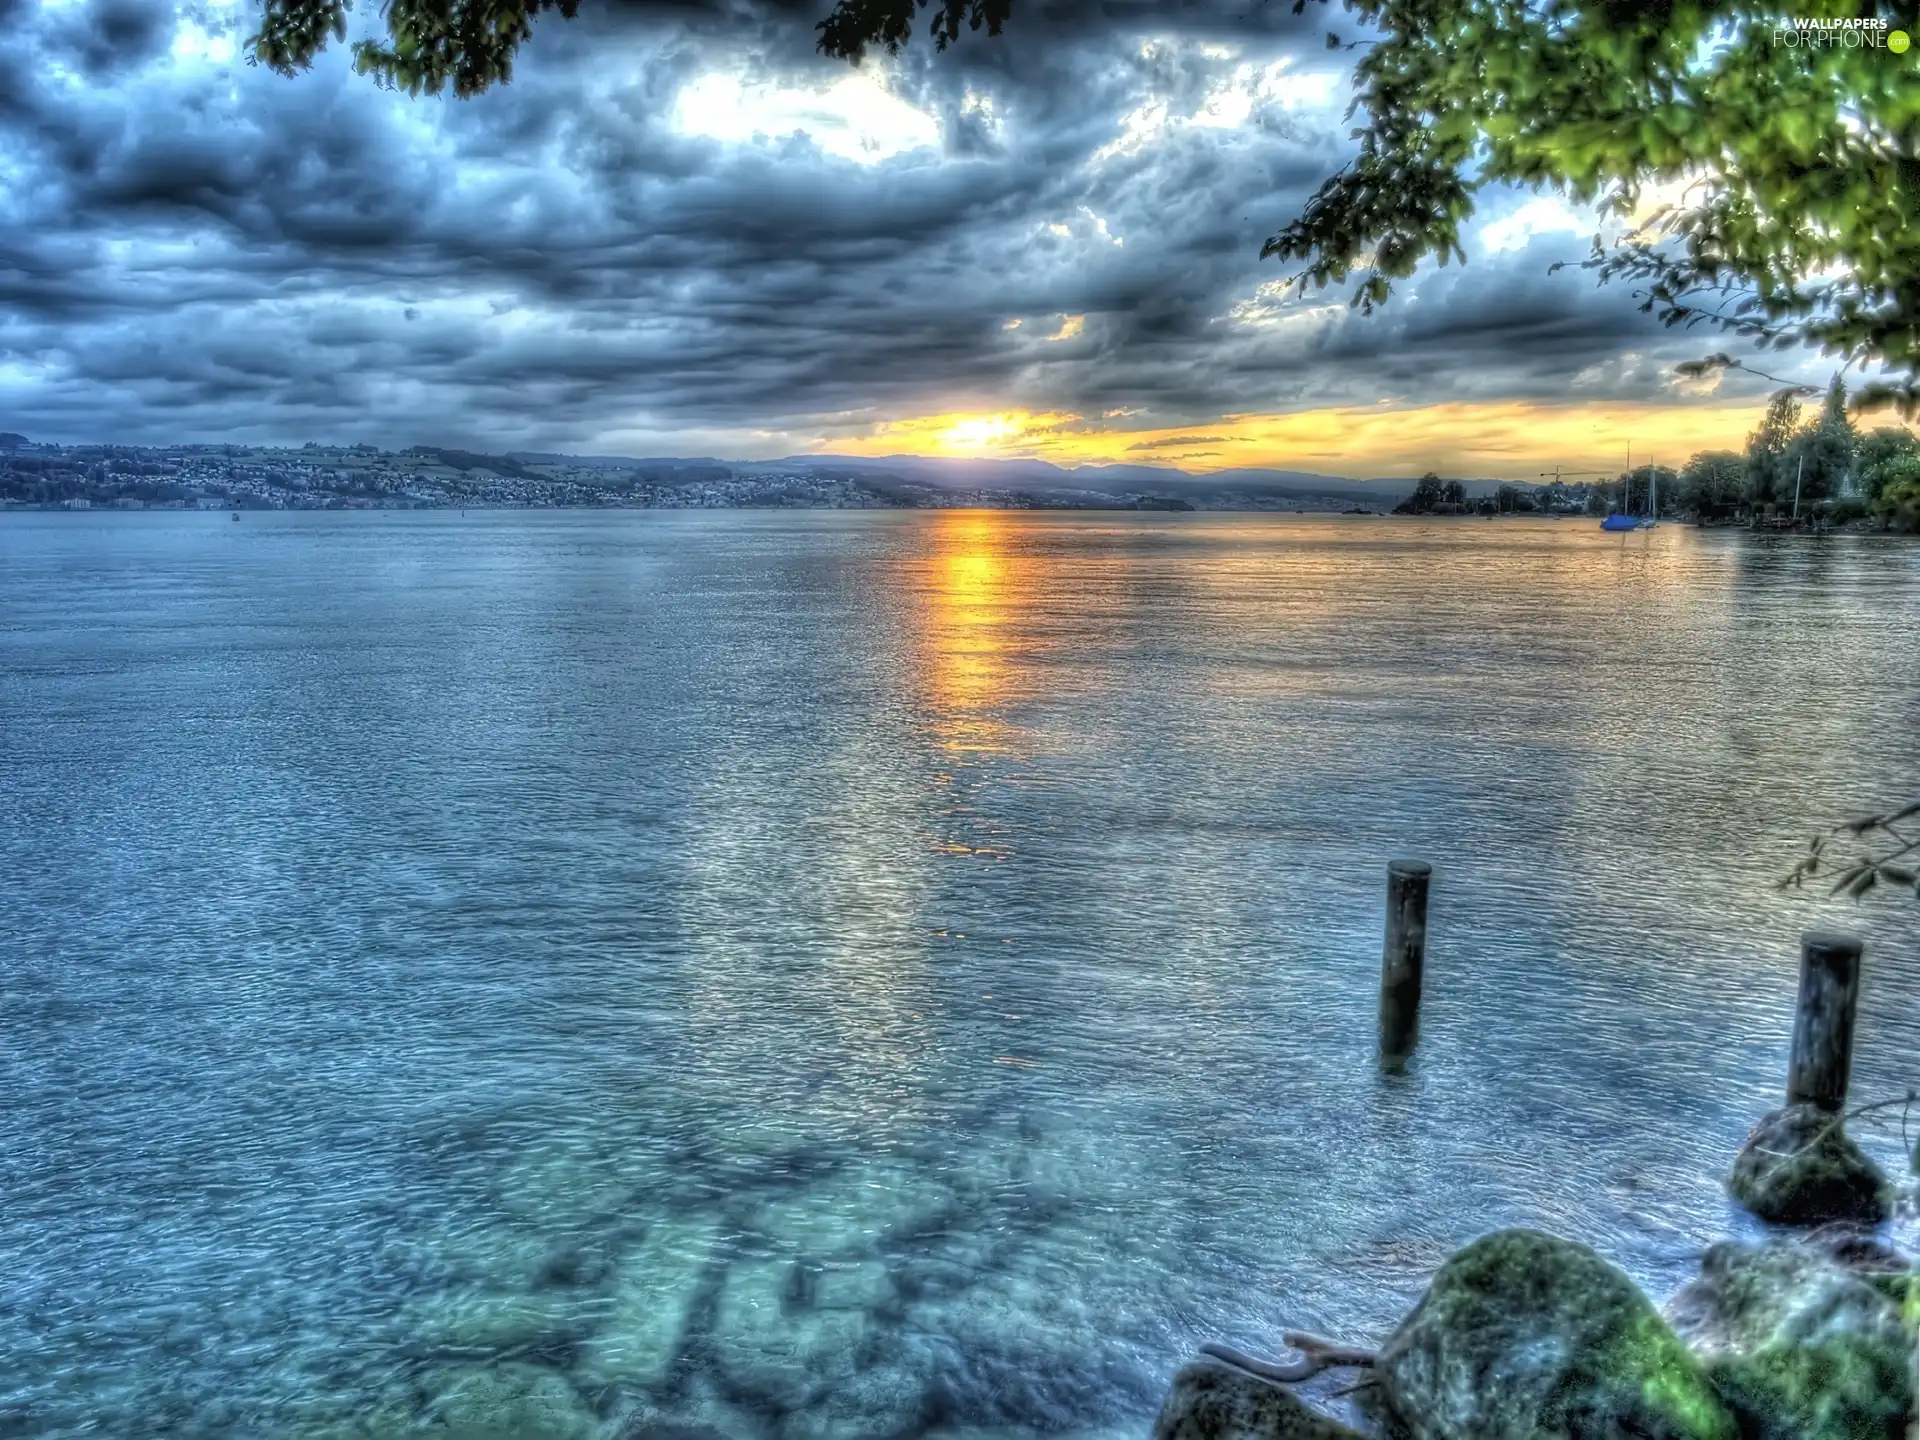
(826, 974)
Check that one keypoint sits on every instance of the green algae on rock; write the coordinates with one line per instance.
(1523, 1336)
(1213, 1401)
(1802, 1346)
(1800, 1167)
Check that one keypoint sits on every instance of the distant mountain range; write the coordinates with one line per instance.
(1209, 489)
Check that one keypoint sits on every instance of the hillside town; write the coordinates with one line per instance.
(363, 477)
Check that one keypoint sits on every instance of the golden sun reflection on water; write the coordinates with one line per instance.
(977, 584)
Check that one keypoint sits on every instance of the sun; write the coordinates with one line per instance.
(978, 431)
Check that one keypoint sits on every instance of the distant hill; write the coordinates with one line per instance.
(1218, 488)
(11, 441)
(464, 460)
(1042, 477)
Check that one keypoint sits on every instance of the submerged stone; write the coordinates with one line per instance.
(477, 1319)
(671, 1430)
(850, 1210)
(826, 1369)
(509, 1402)
(1010, 1347)
(649, 1429)
(395, 1415)
(1522, 1336)
(1800, 1167)
(653, 1291)
(769, 1346)
(847, 1284)
(568, 1181)
(1213, 1401)
(1801, 1345)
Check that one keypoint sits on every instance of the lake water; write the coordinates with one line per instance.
(811, 974)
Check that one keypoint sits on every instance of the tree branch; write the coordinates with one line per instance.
(1316, 1355)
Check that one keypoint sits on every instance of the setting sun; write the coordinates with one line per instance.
(981, 431)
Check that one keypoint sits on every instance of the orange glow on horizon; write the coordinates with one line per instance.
(1508, 440)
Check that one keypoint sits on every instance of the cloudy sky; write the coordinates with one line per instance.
(684, 232)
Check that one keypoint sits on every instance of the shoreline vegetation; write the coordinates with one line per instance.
(1819, 475)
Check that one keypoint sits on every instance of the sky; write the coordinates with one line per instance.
(681, 231)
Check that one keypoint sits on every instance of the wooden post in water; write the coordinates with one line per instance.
(1823, 1023)
(1404, 958)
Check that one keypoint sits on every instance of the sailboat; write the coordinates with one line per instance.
(1620, 520)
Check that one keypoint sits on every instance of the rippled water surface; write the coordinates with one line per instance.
(822, 974)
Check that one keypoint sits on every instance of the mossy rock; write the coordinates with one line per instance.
(1522, 1336)
(1801, 1346)
(1212, 1401)
(1800, 1167)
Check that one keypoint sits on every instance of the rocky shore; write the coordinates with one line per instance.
(1806, 1335)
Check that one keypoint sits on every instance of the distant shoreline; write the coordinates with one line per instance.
(365, 477)
(497, 507)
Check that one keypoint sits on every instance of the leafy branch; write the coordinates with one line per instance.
(1881, 848)
(1700, 369)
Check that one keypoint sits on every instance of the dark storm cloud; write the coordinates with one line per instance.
(192, 248)
(103, 38)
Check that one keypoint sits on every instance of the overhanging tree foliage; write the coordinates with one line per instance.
(1800, 223)
(1881, 851)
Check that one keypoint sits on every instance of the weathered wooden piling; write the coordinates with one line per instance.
(1823, 1022)
(1404, 959)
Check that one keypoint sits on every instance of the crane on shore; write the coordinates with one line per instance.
(1557, 474)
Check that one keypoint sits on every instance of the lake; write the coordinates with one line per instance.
(823, 974)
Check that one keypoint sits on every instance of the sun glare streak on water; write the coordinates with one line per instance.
(827, 974)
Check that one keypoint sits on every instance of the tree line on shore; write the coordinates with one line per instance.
(1819, 470)
(1823, 468)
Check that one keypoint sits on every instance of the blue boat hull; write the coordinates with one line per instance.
(1620, 522)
